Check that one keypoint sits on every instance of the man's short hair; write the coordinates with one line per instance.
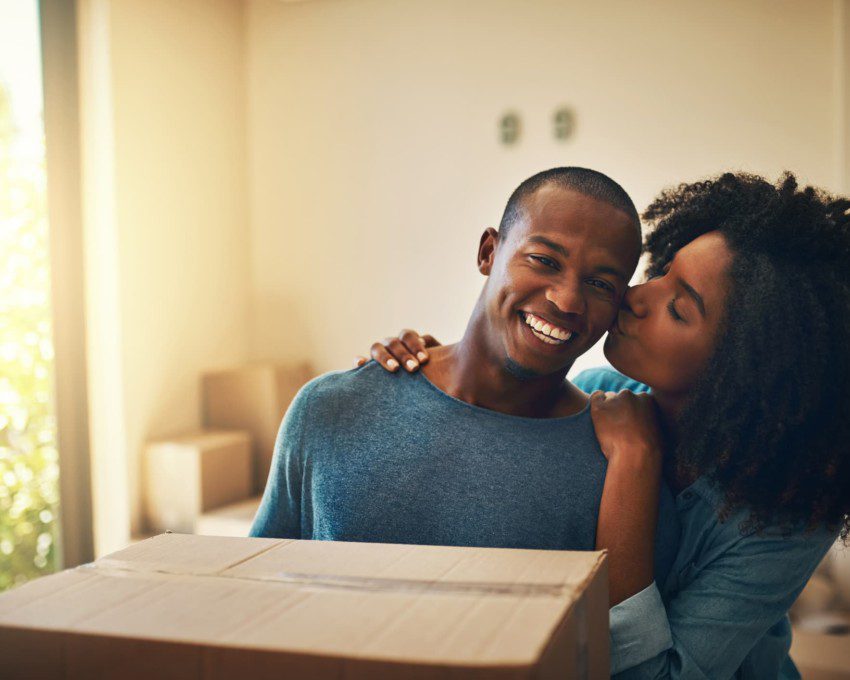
(583, 180)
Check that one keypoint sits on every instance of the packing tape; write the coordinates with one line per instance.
(360, 583)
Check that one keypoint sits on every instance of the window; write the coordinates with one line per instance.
(29, 467)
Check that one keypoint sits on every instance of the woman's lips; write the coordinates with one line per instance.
(617, 327)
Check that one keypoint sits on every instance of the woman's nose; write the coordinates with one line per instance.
(635, 299)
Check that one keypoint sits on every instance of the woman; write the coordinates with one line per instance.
(742, 333)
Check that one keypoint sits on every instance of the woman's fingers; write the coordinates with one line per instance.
(409, 349)
(415, 344)
(402, 353)
(359, 361)
(379, 353)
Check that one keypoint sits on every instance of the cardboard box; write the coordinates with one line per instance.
(253, 398)
(177, 606)
(822, 655)
(187, 476)
(230, 520)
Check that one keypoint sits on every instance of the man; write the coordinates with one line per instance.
(489, 444)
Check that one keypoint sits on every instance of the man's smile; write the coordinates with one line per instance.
(546, 331)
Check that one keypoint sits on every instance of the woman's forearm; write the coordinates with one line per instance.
(628, 515)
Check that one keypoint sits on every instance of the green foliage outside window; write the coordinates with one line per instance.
(29, 467)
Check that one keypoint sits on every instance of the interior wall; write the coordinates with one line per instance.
(841, 81)
(166, 227)
(373, 160)
(291, 181)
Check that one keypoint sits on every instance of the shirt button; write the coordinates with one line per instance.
(688, 495)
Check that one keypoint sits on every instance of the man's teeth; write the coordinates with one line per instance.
(552, 335)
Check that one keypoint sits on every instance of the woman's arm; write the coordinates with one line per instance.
(732, 595)
(627, 430)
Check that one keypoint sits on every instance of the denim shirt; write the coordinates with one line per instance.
(722, 611)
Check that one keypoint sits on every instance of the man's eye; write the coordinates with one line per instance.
(603, 285)
(546, 261)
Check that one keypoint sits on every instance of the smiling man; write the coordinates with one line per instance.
(489, 444)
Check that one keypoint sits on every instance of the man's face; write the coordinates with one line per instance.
(556, 281)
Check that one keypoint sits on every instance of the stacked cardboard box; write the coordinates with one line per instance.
(822, 654)
(189, 475)
(253, 398)
(210, 482)
(229, 520)
(200, 607)
(821, 617)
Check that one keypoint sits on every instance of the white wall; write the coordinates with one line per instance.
(373, 163)
(166, 227)
(279, 180)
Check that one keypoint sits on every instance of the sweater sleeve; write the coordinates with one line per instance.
(279, 514)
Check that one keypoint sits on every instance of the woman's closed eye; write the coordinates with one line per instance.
(671, 308)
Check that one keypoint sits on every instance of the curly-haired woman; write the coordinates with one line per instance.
(742, 336)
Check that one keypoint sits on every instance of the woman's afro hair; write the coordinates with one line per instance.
(769, 421)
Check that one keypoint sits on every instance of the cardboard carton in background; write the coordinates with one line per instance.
(230, 520)
(210, 608)
(253, 398)
(822, 655)
(187, 476)
(821, 618)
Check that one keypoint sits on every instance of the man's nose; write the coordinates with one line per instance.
(568, 297)
(635, 301)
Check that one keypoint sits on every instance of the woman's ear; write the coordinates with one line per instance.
(487, 250)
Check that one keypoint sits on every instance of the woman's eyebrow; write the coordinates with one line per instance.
(689, 289)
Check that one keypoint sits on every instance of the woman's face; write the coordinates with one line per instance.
(667, 327)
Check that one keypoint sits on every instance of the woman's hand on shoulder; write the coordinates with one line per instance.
(627, 428)
(409, 349)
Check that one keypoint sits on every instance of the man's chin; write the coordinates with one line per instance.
(519, 371)
(527, 370)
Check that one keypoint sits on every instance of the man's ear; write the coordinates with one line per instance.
(487, 250)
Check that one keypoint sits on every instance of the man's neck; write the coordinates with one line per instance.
(468, 371)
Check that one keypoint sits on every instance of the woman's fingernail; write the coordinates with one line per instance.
(421, 356)
(411, 364)
(392, 364)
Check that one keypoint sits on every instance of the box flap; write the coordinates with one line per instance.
(187, 553)
(426, 604)
(446, 568)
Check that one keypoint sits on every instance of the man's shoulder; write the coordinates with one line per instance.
(606, 379)
(341, 400)
(340, 389)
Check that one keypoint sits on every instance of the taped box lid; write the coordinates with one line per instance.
(187, 606)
